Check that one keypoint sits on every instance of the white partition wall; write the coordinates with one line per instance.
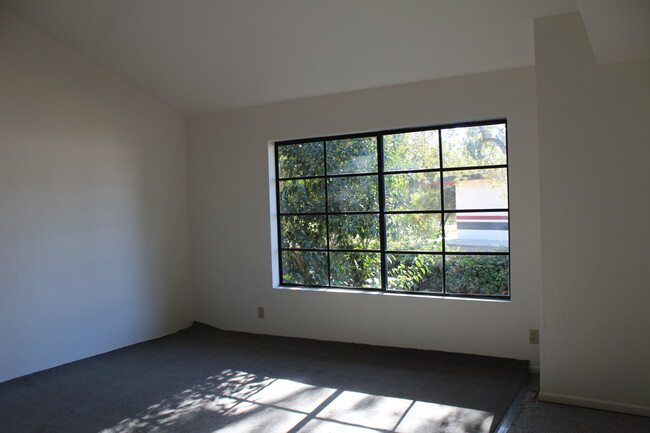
(94, 251)
(595, 146)
(234, 268)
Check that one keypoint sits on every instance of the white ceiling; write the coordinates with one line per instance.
(619, 30)
(202, 56)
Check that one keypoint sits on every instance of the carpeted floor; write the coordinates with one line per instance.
(202, 380)
(538, 417)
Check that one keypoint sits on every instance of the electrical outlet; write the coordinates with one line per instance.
(260, 312)
(533, 336)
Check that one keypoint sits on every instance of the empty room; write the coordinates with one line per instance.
(325, 216)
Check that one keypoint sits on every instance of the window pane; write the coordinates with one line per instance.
(355, 269)
(476, 232)
(476, 189)
(414, 232)
(349, 232)
(412, 191)
(304, 267)
(299, 160)
(411, 151)
(302, 195)
(414, 272)
(478, 275)
(352, 155)
(353, 194)
(308, 231)
(475, 145)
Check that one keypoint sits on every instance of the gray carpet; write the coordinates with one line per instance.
(202, 380)
(539, 417)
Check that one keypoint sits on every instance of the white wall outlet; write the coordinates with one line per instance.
(260, 312)
(533, 336)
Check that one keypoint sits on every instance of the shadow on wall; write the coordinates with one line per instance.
(238, 401)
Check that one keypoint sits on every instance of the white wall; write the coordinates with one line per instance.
(94, 243)
(231, 236)
(595, 148)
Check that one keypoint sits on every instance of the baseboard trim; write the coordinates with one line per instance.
(594, 404)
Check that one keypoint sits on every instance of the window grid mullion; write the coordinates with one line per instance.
(382, 210)
(370, 173)
(442, 214)
(391, 212)
(327, 216)
(411, 252)
(360, 174)
(447, 170)
(278, 215)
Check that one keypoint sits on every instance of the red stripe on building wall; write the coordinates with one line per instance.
(482, 217)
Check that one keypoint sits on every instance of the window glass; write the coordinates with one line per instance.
(474, 146)
(411, 151)
(412, 191)
(351, 269)
(354, 232)
(353, 194)
(302, 195)
(414, 272)
(477, 189)
(352, 155)
(301, 159)
(477, 275)
(304, 231)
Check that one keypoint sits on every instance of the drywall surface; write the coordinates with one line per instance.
(594, 150)
(94, 242)
(232, 227)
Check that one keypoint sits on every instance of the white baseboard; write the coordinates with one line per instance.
(594, 404)
(533, 369)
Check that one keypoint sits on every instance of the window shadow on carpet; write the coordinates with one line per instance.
(238, 401)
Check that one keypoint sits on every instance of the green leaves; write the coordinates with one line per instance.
(412, 191)
(410, 272)
(353, 194)
(355, 269)
(478, 274)
(302, 195)
(300, 160)
(414, 232)
(352, 155)
(474, 146)
(304, 231)
(307, 268)
(411, 151)
(351, 232)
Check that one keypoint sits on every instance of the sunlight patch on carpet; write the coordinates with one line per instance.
(237, 401)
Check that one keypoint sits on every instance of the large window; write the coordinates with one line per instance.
(412, 211)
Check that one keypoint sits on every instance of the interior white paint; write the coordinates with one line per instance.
(594, 151)
(230, 207)
(619, 30)
(94, 251)
(204, 56)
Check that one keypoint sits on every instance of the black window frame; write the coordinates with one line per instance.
(382, 212)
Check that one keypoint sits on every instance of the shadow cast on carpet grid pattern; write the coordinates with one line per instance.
(203, 380)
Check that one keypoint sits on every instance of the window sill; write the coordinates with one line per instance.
(391, 294)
